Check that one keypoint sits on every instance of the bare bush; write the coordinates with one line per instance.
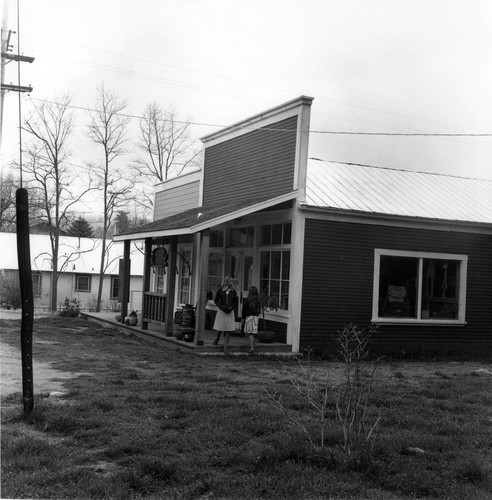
(341, 404)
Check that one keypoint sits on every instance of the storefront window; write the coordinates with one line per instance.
(274, 277)
(184, 279)
(420, 286)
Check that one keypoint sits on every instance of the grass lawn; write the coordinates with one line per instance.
(141, 421)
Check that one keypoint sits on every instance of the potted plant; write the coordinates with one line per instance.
(132, 318)
(268, 303)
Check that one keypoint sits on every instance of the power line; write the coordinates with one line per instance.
(329, 132)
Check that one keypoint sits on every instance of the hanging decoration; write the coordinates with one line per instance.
(159, 257)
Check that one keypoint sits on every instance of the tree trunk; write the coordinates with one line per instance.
(101, 274)
(54, 279)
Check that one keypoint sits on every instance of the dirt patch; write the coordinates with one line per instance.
(46, 379)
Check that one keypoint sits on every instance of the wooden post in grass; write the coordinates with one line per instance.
(171, 286)
(25, 280)
(201, 306)
(126, 280)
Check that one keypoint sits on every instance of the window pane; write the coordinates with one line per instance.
(276, 234)
(275, 266)
(285, 265)
(214, 280)
(266, 235)
(440, 289)
(265, 265)
(241, 236)
(287, 233)
(248, 272)
(284, 295)
(264, 288)
(397, 286)
(159, 279)
(216, 238)
(275, 293)
(114, 287)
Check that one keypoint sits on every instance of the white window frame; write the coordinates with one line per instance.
(77, 286)
(181, 251)
(463, 259)
(278, 247)
(111, 289)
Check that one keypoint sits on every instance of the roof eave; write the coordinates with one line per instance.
(216, 221)
(482, 227)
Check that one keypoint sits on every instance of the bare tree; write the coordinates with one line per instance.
(107, 128)
(51, 125)
(166, 145)
(8, 187)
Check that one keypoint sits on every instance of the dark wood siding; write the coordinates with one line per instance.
(338, 282)
(256, 164)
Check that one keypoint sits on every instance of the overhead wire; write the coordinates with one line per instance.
(249, 127)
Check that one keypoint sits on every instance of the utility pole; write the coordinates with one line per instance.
(8, 57)
(22, 215)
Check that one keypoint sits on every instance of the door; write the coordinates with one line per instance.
(241, 269)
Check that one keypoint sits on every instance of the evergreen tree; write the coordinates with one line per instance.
(81, 228)
(122, 223)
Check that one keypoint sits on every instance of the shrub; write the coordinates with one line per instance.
(354, 392)
(70, 308)
(343, 406)
(10, 293)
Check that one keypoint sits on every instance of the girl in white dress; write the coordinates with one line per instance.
(225, 321)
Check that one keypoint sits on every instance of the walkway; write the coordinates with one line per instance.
(155, 333)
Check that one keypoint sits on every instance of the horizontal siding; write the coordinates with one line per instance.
(256, 164)
(338, 280)
(176, 200)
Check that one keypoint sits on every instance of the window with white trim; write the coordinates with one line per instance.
(419, 286)
(159, 279)
(215, 262)
(83, 283)
(184, 275)
(275, 263)
(115, 285)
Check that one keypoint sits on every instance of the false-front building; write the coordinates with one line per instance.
(330, 243)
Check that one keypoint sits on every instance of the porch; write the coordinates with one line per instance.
(157, 333)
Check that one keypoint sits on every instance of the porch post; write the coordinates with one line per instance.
(146, 278)
(126, 280)
(171, 285)
(201, 303)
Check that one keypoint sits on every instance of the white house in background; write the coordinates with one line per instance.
(79, 261)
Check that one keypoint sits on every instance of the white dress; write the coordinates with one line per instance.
(225, 322)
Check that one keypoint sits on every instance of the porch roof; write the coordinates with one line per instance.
(197, 219)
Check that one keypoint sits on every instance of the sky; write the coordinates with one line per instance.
(390, 66)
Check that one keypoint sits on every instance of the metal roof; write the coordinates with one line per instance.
(378, 190)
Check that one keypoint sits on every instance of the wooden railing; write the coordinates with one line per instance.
(154, 307)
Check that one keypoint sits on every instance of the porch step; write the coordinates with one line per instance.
(236, 346)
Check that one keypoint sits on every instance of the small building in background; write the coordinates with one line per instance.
(78, 263)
